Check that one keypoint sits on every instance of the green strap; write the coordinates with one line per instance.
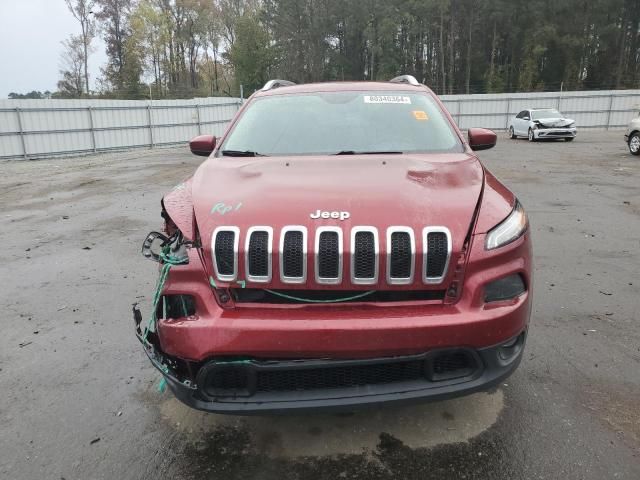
(308, 300)
(168, 262)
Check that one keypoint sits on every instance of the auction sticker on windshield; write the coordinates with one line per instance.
(387, 99)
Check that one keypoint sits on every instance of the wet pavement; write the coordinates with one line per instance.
(80, 400)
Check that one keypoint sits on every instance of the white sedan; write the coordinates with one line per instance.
(537, 123)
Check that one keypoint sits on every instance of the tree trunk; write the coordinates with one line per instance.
(442, 52)
(85, 45)
(452, 50)
(468, 79)
(621, 48)
(492, 62)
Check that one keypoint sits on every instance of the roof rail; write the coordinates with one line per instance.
(410, 79)
(271, 84)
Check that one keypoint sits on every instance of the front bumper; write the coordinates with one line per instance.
(491, 368)
(555, 132)
(321, 336)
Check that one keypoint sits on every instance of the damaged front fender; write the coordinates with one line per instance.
(177, 209)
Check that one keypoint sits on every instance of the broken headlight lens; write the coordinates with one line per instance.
(509, 229)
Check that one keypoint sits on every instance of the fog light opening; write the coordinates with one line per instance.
(176, 306)
(504, 288)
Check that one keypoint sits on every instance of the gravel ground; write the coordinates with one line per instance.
(80, 400)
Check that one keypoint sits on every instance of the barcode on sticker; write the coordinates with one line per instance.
(387, 99)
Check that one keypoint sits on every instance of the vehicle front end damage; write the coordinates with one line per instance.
(554, 128)
(325, 312)
(308, 264)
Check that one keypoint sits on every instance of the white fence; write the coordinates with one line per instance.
(40, 128)
(593, 109)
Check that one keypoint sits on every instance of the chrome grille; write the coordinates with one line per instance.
(328, 258)
(436, 244)
(401, 249)
(225, 252)
(328, 254)
(258, 254)
(293, 254)
(364, 255)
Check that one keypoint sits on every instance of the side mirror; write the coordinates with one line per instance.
(202, 145)
(526, 118)
(482, 138)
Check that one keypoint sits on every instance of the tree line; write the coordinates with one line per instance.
(186, 48)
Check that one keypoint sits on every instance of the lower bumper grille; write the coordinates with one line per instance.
(249, 378)
(339, 377)
(286, 296)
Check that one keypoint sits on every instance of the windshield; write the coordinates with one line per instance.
(548, 113)
(341, 123)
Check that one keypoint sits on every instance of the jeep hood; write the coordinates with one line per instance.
(376, 190)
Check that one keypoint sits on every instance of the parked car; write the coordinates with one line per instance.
(632, 136)
(539, 123)
(342, 245)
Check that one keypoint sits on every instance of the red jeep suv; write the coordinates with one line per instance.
(341, 246)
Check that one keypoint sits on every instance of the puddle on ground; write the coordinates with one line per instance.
(319, 435)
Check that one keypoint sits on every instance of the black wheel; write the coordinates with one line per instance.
(634, 143)
(531, 136)
(569, 139)
(512, 134)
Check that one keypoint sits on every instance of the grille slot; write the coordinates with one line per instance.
(364, 255)
(436, 254)
(328, 261)
(400, 255)
(258, 254)
(293, 254)
(339, 377)
(225, 252)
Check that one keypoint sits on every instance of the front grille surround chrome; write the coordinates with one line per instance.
(283, 232)
(300, 253)
(425, 250)
(328, 280)
(236, 240)
(259, 278)
(401, 280)
(376, 243)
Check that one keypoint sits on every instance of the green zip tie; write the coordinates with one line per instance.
(162, 385)
(308, 300)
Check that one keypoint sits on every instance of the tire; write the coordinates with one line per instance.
(634, 143)
(512, 134)
(569, 139)
(531, 136)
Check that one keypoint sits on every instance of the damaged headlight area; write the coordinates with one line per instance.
(160, 248)
(168, 251)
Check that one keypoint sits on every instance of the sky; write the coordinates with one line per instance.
(30, 48)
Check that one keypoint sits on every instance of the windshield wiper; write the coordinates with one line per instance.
(241, 153)
(355, 152)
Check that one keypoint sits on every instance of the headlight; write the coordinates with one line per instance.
(509, 230)
(572, 124)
